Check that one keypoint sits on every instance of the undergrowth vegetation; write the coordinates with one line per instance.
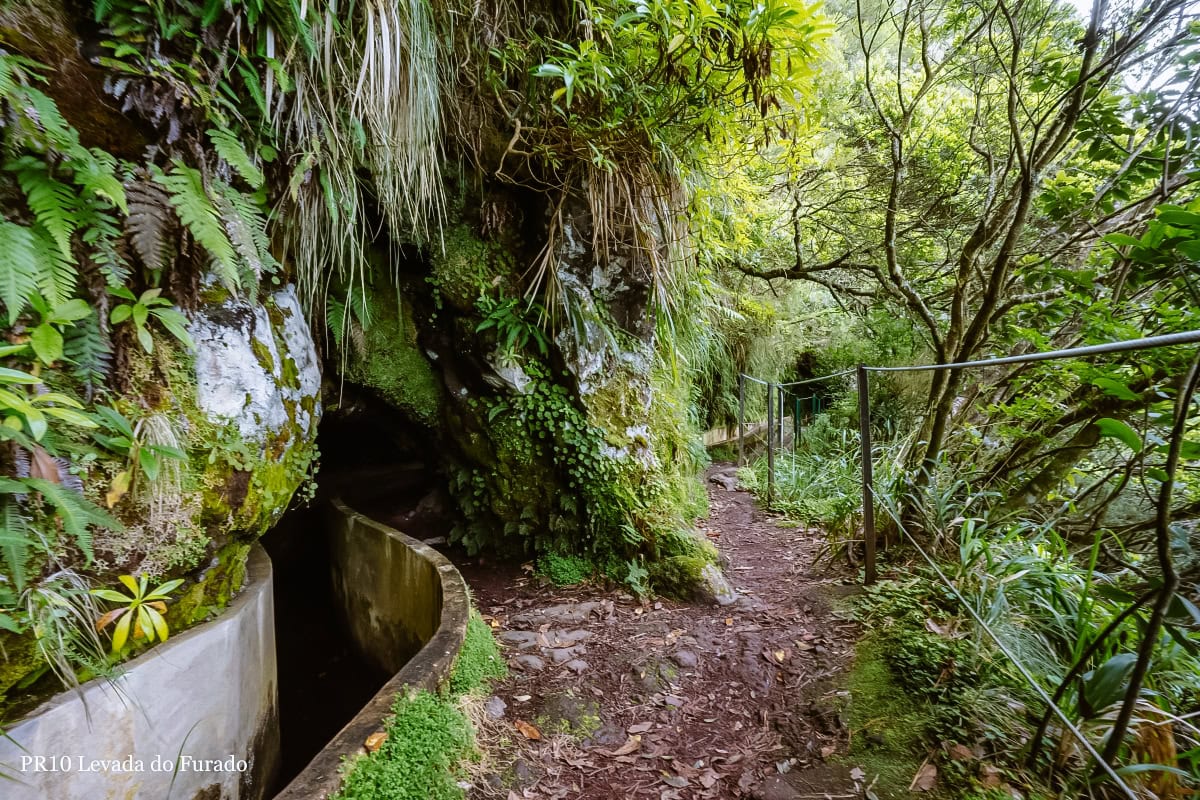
(1057, 501)
(428, 735)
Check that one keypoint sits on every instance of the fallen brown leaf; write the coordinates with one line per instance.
(631, 744)
(989, 776)
(960, 752)
(925, 779)
(43, 465)
(527, 730)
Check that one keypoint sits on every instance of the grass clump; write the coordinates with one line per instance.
(429, 737)
(479, 661)
(426, 738)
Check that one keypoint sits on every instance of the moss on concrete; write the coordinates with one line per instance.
(428, 735)
(213, 588)
(20, 660)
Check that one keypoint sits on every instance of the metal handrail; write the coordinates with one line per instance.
(869, 534)
(1166, 340)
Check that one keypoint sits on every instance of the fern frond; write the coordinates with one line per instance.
(14, 541)
(57, 274)
(95, 172)
(199, 215)
(77, 513)
(230, 149)
(8, 76)
(335, 318)
(102, 234)
(52, 202)
(150, 223)
(46, 115)
(254, 221)
(87, 348)
(240, 237)
(18, 267)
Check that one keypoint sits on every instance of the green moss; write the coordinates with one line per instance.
(479, 660)
(565, 570)
(391, 362)
(20, 660)
(426, 738)
(467, 266)
(212, 591)
(262, 353)
(565, 713)
(685, 542)
(888, 724)
(676, 576)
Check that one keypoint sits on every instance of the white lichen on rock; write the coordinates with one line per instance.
(240, 366)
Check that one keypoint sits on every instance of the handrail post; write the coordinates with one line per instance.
(864, 434)
(741, 420)
(770, 444)
(782, 416)
(796, 424)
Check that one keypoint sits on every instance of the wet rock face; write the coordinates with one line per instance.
(619, 279)
(256, 367)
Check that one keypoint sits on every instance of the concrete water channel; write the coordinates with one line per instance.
(293, 677)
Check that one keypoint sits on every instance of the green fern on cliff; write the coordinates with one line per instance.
(18, 269)
(52, 202)
(247, 229)
(230, 149)
(88, 350)
(200, 216)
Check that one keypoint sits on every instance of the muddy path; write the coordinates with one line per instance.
(666, 700)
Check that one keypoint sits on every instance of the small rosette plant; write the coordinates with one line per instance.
(140, 612)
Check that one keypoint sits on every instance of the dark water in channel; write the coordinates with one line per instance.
(379, 466)
(323, 681)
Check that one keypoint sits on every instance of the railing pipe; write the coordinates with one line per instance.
(868, 489)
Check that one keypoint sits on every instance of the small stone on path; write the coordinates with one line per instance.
(562, 655)
(685, 658)
(495, 707)
(608, 735)
(562, 613)
(522, 639)
(728, 481)
(529, 663)
(776, 788)
(577, 666)
(715, 587)
(567, 638)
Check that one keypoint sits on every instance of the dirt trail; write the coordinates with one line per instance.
(673, 700)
